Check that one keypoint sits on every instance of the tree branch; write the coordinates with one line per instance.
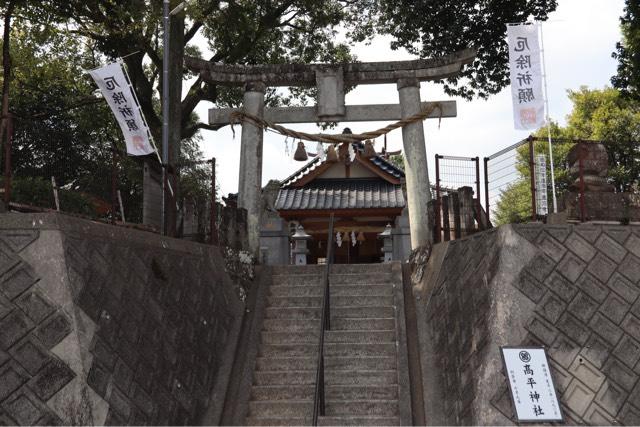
(190, 131)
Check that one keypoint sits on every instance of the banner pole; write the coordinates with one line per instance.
(546, 102)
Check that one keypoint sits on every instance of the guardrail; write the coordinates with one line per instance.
(325, 325)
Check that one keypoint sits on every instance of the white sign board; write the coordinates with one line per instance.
(118, 92)
(532, 390)
(542, 205)
(526, 76)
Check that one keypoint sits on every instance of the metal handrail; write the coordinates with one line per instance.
(325, 325)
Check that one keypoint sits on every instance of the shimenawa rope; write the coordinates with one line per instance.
(241, 116)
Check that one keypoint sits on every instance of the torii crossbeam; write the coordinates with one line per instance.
(330, 80)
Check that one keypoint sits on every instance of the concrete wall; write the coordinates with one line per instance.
(102, 325)
(573, 289)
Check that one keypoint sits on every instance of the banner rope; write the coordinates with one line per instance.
(242, 116)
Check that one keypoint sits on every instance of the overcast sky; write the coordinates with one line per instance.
(579, 39)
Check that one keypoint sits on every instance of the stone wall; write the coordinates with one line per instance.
(573, 289)
(102, 325)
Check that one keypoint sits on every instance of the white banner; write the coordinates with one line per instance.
(118, 92)
(526, 77)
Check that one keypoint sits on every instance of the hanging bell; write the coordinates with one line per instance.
(361, 237)
(301, 153)
(332, 156)
(369, 151)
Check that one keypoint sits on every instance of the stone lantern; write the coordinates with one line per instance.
(387, 244)
(300, 250)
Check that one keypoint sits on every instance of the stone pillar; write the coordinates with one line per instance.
(415, 163)
(250, 182)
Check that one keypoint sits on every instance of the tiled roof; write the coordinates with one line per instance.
(379, 161)
(341, 194)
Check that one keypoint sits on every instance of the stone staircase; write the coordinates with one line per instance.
(361, 349)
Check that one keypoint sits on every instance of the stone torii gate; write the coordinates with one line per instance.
(330, 80)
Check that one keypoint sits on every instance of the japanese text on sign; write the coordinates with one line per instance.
(526, 78)
(119, 95)
(532, 390)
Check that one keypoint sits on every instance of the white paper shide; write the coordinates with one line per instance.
(117, 90)
(531, 384)
(526, 76)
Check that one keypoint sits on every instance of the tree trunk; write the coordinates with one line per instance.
(6, 67)
(176, 54)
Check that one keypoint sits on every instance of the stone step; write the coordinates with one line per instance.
(332, 377)
(357, 421)
(339, 324)
(285, 337)
(361, 278)
(278, 421)
(289, 270)
(335, 269)
(292, 313)
(373, 290)
(383, 408)
(360, 336)
(291, 325)
(334, 392)
(336, 290)
(359, 349)
(274, 301)
(361, 301)
(312, 337)
(330, 350)
(309, 362)
(353, 324)
(361, 312)
(301, 280)
(288, 350)
(281, 408)
(304, 408)
(336, 301)
(360, 268)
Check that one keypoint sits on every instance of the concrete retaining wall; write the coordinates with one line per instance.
(104, 325)
(573, 289)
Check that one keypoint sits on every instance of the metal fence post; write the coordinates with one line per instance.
(532, 178)
(114, 179)
(486, 189)
(437, 237)
(214, 232)
(478, 206)
(581, 172)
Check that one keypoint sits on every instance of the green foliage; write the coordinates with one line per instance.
(603, 115)
(435, 28)
(514, 205)
(627, 52)
(37, 191)
(607, 116)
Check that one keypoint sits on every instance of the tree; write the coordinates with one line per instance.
(63, 130)
(608, 116)
(602, 115)
(627, 52)
(435, 28)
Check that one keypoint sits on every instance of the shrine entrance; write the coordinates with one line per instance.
(330, 80)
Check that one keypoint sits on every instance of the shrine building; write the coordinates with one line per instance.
(363, 190)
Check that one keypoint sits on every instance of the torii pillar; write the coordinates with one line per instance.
(330, 79)
(415, 163)
(250, 180)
